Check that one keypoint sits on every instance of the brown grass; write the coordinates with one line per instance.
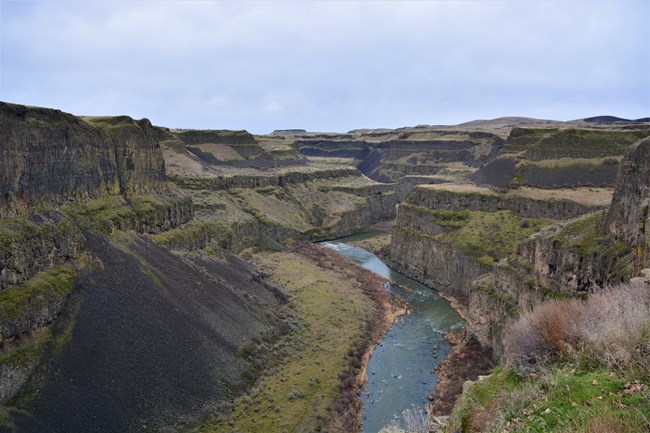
(611, 328)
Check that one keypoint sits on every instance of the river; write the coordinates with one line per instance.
(400, 371)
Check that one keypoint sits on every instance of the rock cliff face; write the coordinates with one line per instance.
(260, 179)
(475, 201)
(62, 175)
(628, 218)
(566, 259)
(42, 240)
(569, 260)
(389, 155)
(431, 262)
(48, 156)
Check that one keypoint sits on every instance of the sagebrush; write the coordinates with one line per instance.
(611, 327)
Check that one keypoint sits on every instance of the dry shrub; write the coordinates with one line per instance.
(619, 320)
(611, 327)
(544, 333)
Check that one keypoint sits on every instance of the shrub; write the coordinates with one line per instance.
(611, 327)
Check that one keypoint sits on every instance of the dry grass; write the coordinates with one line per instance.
(583, 195)
(611, 328)
(461, 188)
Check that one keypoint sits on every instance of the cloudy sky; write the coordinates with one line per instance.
(328, 66)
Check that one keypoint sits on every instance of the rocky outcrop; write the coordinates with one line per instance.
(432, 262)
(504, 173)
(381, 199)
(497, 173)
(39, 241)
(597, 175)
(407, 183)
(35, 243)
(569, 259)
(390, 154)
(565, 261)
(260, 180)
(47, 156)
(576, 258)
(355, 149)
(492, 202)
(628, 218)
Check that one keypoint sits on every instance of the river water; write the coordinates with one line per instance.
(400, 371)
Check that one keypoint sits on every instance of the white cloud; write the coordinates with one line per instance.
(328, 65)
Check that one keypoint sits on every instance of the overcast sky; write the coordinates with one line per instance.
(328, 66)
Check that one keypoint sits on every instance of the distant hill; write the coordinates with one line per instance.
(614, 119)
(505, 121)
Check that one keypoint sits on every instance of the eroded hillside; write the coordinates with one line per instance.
(150, 278)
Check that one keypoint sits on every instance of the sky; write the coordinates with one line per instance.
(327, 65)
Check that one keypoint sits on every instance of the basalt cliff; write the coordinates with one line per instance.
(503, 253)
(133, 297)
(123, 306)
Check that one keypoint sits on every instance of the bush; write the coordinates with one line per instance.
(612, 327)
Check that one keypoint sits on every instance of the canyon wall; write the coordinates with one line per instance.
(434, 198)
(51, 157)
(584, 249)
(628, 218)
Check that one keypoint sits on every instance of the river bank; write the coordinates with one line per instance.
(336, 312)
(400, 371)
(467, 359)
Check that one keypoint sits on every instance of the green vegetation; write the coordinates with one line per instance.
(27, 354)
(570, 365)
(485, 236)
(539, 143)
(101, 215)
(561, 399)
(45, 286)
(586, 236)
(240, 218)
(441, 217)
(299, 393)
(486, 285)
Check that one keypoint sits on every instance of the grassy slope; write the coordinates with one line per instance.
(332, 312)
(302, 209)
(564, 398)
(485, 236)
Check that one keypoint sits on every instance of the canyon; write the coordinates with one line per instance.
(153, 279)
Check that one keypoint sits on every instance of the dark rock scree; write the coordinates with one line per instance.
(154, 342)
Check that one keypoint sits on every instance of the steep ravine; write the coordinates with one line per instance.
(111, 277)
(568, 259)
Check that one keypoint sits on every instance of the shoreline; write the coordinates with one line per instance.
(467, 361)
(388, 308)
(392, 311)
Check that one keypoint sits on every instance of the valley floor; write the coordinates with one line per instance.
(337, 312)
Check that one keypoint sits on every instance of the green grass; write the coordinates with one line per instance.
(560, 399)
(487, 236)
(298, 394)
(100, 215)
(45, 286)
(539, 144)
(443, 218)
